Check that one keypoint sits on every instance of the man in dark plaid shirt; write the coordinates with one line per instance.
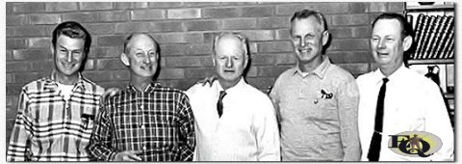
(145, 121)
(55, 114)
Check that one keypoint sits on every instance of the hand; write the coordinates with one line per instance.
(108, 94)
(128, 156)
(208, 80)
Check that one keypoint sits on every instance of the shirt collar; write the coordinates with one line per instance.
(239, 84)
(148, 88)
(52, 84)
(398, 74)
(320, 71)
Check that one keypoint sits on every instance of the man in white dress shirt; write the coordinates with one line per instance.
(409, 102)
(234, 121)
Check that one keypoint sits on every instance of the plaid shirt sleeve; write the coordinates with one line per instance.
(187, 135)
(101, 139)
(19, 141)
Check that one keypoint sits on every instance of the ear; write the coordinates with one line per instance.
(52, 49)
(124, 59)
(325, 37)
(407, 42)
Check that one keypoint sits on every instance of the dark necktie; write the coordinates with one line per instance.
(220, 103)
(374, 148)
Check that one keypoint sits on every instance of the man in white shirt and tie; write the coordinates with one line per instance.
(396, 100)
(234, 120)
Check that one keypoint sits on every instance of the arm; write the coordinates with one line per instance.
(20, 137)
(186, 123)
(267, 133)
(101, 138)
(275, 100)
(347, 102)
(437, 122)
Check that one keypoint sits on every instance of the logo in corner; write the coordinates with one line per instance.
(414, 143)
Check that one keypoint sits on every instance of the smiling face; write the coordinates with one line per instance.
(308, 38)
(388, 44)
(229, 59)
(141, 56)
(68, 55)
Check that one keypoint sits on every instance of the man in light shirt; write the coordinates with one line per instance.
(394, 99)
(234, 121)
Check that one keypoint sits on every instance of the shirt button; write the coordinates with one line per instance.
(141, 106)
(144, 148)
(142, 126)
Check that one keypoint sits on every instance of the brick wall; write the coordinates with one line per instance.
(185, 31)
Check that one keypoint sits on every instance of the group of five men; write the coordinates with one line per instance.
(316, 111)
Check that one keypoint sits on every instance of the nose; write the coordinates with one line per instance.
(147, 59)
(381, 44)
(69, 56)
(302, 42)
(229, 63)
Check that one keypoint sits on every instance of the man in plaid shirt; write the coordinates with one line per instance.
(145, 121)
(55, 114)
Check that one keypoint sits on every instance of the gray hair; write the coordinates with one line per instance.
(244, 41)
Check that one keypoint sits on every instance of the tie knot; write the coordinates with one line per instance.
(222, 94)
(385, 80)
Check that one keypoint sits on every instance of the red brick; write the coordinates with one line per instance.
(236, 3)
(261, 83)
(377, 7)
(342, 32)
(199, 72)
(121, 75)
(280, 46)
(44, 19)
(112, 16)
(15, 43)
(257, 11)
(44, 65)
(89, 65)
(358, 7)
(171, 73)
(109, 52)
(188, 61)
(201, 25)
(350, 19)
(15, 89)
(260, 35)
(126, 28)
(271, 71)
(185, 49)
(209, 36)
(362, 31)
(325, 8)
(9, 8)
(130, 5)
(179, 38)
(109, 64)
(41, 42)
(29, 7)
(350, 56)
(17, 67)
(283, 34)
(164, 4)
(31, 54)
(12, 100)
(396, 6)
(81, 17)
(220, 12)
(28, 31)
(165, 27)
(97, 76)
(148, 14)
(111, 41)
(9, 55)
(239, 24)
(23, 78)
(196, 4)
(355, 68)
(113, 84)
(61, 6)
(14, 20)
(273, 22)
(95, 5)
(184, 13)
(349, 44)
(100, 28)
(273, 59)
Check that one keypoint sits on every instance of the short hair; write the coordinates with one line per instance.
(305, 13)
(406, 27)
(244, 42)
(73, 30)
(130, 36)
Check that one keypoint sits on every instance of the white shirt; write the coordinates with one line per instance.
(66, 90)
(412, 103)
(247, 130)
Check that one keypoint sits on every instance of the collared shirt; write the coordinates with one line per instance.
(49, 128)
(317, 114)
(412, 103)
(247, 130)
(157, 121)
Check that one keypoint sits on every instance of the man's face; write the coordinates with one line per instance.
(229, 59)
(68, 55)
(387, 43)
(142, 56)
(308, 39)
